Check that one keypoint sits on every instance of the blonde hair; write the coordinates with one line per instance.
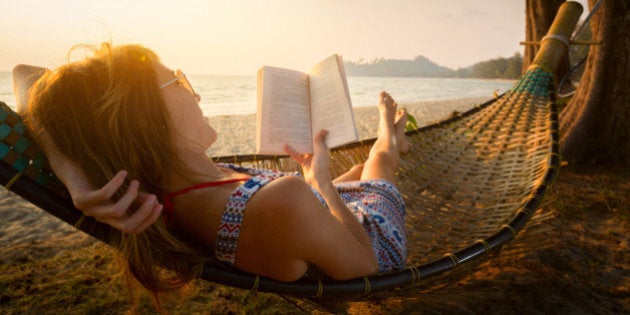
(106, 114)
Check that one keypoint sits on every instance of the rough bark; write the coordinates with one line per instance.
(595, 125)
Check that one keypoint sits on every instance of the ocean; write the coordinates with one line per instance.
(236, 95)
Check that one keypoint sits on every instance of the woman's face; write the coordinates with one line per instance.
(191, 127)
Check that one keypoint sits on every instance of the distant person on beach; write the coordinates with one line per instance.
(127, 137)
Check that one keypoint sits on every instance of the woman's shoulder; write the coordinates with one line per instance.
(288, 226)
(285, 193)
(275, 231)
(289, 205)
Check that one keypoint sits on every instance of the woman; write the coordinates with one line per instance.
(123, 110)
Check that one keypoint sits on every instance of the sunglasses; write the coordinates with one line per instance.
(181, 80)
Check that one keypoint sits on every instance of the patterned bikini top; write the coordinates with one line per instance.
(234, 212)
(232, 218)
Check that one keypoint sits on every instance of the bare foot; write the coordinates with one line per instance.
(399, 127)
(387, 110)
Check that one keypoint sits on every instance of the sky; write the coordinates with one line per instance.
(222, 37)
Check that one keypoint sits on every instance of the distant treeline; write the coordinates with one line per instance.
(499, 68)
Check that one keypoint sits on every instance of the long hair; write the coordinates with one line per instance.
(106, 114)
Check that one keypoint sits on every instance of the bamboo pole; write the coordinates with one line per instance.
(555, 44)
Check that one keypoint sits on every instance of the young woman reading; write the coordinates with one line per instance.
(128, 138)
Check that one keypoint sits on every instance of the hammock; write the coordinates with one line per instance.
(471, 184)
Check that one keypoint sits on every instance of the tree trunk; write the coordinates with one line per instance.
(595, 125)
(539, 15)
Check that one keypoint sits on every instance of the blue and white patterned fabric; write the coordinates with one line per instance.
(377, 204)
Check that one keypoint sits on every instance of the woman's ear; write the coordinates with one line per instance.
(23, 78)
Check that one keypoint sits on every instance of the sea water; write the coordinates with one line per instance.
(236, 95)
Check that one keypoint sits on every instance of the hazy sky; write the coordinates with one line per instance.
(239, 36)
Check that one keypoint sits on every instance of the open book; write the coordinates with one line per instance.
(294, 106)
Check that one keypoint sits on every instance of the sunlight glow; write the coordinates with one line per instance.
(238, 37)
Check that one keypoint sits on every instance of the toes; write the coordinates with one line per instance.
(386, 98)
(401, 117)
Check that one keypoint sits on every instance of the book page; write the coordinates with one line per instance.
(283, 115)
(331, 108)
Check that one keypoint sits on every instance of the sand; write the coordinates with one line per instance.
(237, 133)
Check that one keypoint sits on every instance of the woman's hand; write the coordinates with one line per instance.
(317, 174)
(316, 165)
(98, 203)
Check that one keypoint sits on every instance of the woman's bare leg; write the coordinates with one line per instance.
(400, 126)
(353, 173)
(384, 156)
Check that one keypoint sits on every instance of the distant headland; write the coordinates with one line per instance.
(420, 66)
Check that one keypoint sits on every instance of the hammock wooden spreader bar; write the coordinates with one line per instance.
(471, 184)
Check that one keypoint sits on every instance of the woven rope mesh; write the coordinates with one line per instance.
(466, 177)
(19, 151)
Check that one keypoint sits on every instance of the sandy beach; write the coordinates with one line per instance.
(37, 247)
(237, 133)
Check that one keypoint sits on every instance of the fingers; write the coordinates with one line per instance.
(320, 140)
(319, 144)
(303, 159)
(113, 185)
(98, 204)
(125, 202)
(86, 199)
(148, 212)
(156, 212)
(292, 153)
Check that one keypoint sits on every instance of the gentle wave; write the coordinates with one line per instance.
(236, 95)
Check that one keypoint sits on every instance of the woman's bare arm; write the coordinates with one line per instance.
(316, 173)
(286, 228)
(98, 203)
(92, 201)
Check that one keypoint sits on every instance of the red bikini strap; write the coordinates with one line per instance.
(168, 197)
(206, 185)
